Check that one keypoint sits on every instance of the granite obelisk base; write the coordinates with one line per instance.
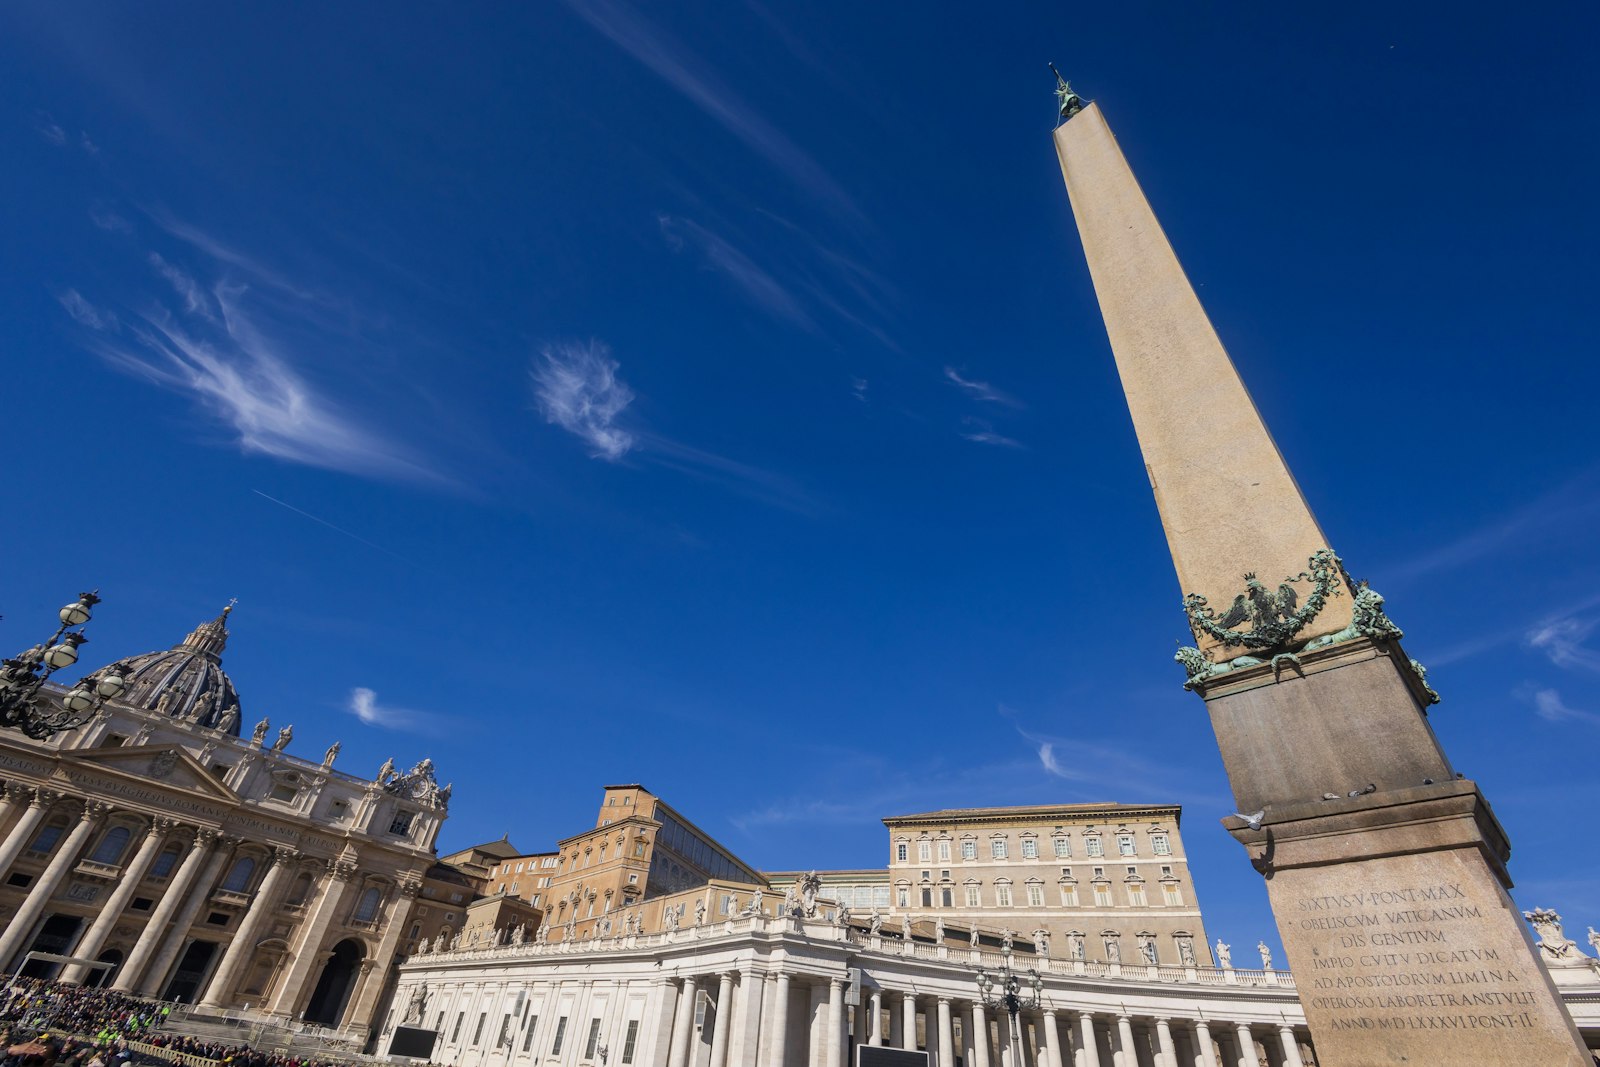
(1391, 903)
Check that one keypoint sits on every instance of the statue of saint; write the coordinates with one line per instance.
(285, 735)
(1266, 955)
(261, 732)
(332, 753)
(1224, 955)
(229, 721)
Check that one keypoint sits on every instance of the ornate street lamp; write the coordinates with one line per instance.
(24, 705)
(1004, 990)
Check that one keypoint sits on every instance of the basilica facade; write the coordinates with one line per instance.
(160, 851)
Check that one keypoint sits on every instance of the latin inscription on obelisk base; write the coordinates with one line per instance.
(1385, 871)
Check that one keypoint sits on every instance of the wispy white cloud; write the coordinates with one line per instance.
(363, 704)
(228, 255)
(687, 74)
(980, 390)
(86, 313)
(107, 219)
(577, 388)
(324, 522)
(244, 380)
(1550, 706)
(51, 131)
(87, 145)
(1565, 642)
(756, 483)
(755, 283)
(858, 389)
(1573, 506)
(194, 300)
(983, 433)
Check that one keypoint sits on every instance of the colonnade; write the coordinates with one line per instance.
(168, 928)
(748, 1016)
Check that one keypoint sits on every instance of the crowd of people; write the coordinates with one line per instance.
(49, 1024)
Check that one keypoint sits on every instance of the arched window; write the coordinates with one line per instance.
(301, 891)
(112, 846)
(46, 838)
(238, 879)
(166, 861)
(367, 908)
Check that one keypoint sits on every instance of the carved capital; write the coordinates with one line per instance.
(284, 853)
(410, 884)
(205, 837)
(43, 798)
(94, 810)
(17, 793)
(161, 826)
(341, 870)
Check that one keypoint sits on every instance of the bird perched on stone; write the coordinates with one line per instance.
(1371, 787)
(1330, 796)
(1253, 820)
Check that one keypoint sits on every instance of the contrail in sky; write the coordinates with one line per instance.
(331, 526)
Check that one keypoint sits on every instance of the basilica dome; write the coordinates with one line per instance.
(185, 682)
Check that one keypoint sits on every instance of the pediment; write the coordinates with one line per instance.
(160, 766)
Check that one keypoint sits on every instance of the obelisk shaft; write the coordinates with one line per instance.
(1227, 500)
(1386, 873)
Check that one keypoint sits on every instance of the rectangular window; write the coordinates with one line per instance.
(902, 897)
(401, 823)
(455, 1035)
(974, 897)
(969, 850)
(1099, 872)
(1136, 896)
(1170, 894)
(900, 852)
(1125, 845)
(477, 1032)
(505, 1033)
(927, 897)
(944, 852)
(1133, 872)
(1166, 870)
(1069, 896)
(1062, 846)
(561, 1035)
(924, 852)
(591, 1042)
(1030, 848)
(1160, 845)
(997, 848)
(1102, 896)
(946, 895)
(629, 1040)
(1035, 896)
(926, 875)
(1093, 847)
(527, 1038)
(1002, 895)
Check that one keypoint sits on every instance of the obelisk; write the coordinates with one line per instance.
(1386, 870)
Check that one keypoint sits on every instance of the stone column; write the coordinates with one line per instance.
(1091, 1043)
(1169, 1051)
(89, 945)
(23, 831)
(978, 1042)
(295, 984)
(1050, 1042)
(947, 1034)
(1291, 1047)
(12, 797)
(836, 1024)
(875, 1023)
(188, 907)
(908, 1022)
(780, 1022)
(666, 1009)
(364, 1001)
(150, 936)
(1125, 1053)
(769, 990)
(719, 1035)
(33, 905)
(243, 946)
(1005, 1045)
(817, 1023)
(1247, 1047)
(1208, 1050)
(747, 1034)
(683, 1025)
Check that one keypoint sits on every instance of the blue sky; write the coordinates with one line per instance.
(714, 396)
